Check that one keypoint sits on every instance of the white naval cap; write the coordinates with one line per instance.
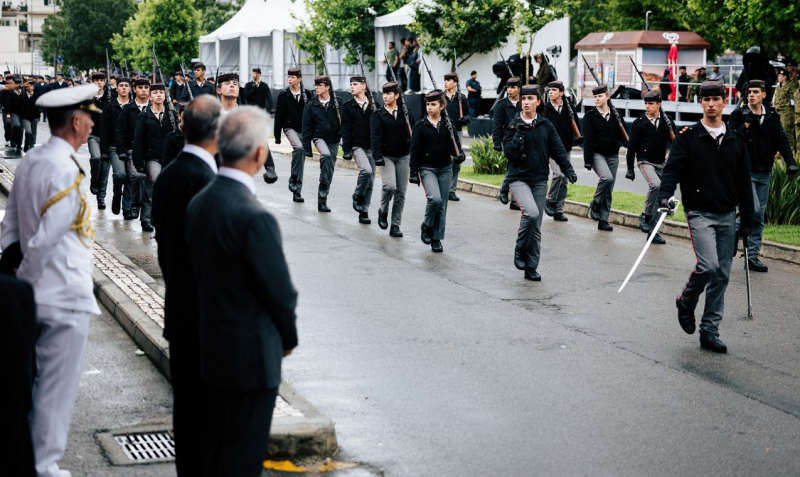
(79, 97)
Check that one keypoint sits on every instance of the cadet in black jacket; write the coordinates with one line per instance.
(648, 143)
(29, 113)
(289, 119)
(322, 125)
(257, 93)
(601, 153)
(432, 157)
(391, 145)
(199, 86)
(765, 137)
(126, 127)
(177, 87)
(12, 107)
(504, 111)
(458, 110)
(152, 126)
(531, 142)
(559, 115)
(99, 168)
(357, 143)
(108, 146)
(710, 161)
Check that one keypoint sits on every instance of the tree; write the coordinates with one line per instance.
(532, 15)
(173, 26)
(456, 30)
(81, 32)
(215, 13)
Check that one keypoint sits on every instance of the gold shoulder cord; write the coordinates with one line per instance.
(81, 225)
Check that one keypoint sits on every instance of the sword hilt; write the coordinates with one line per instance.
(670, 210)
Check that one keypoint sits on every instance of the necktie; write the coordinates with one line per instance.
(159, 117)
(297, 98)
(558, 109)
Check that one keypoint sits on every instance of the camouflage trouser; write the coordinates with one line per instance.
(788, 122)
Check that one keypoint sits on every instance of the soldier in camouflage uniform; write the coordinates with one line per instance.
(784, 99)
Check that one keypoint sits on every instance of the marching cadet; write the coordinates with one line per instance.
(322, 125)
(289, 119)
(391, 146)
(710, 162)
(561, 118)
(99, 168)
(108, 147)
(504, 111)
(177, 87)
(48, 217)
(257, 92)
(174, 141)
(29, 113)
(432, 157)
(152, 126)
(601, 154)
(648, 144)
(8, 87)
(12, 104)
(356, 143)
(764, 137)
(228, 91)
(126, 127)
(784, 104)
(199, 86)
(458, 110)
(531, 144)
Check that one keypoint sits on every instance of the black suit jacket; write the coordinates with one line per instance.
(176, 186)
(246, 296)
(261, 96)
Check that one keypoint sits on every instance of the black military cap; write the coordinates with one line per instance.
(451, 76)
(556, 84)
(295, 71)
(228, 77)
(651, 96)
(257, 70)
(98, 76)
(756, 83)
(157, 87)
(391, 87)
(600, 89)
(434, 96)
(141, 82)
(513, 81)
(123, 79)
(530, 90)
(200, 65)
(712, 88)
(358, 79)
(323, 79)
(177, 73)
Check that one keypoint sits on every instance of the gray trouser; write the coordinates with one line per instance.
(16, 130)
(298, 159)
(530, 197)
(366, 175)
(652, 174)
(454, 181)
(136, 180)
(93, 144)
(327, 159)
(394, 176)
(152, 170)
(760, 182)
(606, 169)
(31, 127)
(558, 188)
(713, 238)
(436, 182)
(121, 185)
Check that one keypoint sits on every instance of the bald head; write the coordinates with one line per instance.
(201, 119)
(241, 132)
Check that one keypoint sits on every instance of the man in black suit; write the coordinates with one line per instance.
(246, 298)
(257, 92)
(188, 174)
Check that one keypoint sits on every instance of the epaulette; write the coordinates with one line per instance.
(685, 128)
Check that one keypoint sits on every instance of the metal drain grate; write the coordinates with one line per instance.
(147, 447)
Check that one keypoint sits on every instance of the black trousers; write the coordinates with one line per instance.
(190, 404)
(239, 433)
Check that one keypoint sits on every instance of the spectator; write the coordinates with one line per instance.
(413, 62)
(683, 84)
(393, 67)
(666, 86)
(716, 75)
(401, 65)
(544, 76)
(474, 94)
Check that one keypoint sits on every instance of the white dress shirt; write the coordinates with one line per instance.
(202, 154)
(240, 177)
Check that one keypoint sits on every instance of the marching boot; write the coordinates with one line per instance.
(548, 208)
(383, 219)
(296, 197)
(322, 205)
(116, 202)
(270, 175)
(452, 196)
(146, 227)
(520, 258)
(560, 217)
(503, 197)
(427, 234)
(755, 265)
(604, 226)
(395, 231)
(101, 204)
(363, 218)
(436, 246)
(685, 317)
(134, 213)
(532, 275)
(126, 215)
(712, 343)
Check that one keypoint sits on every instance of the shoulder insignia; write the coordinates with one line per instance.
(685, 128)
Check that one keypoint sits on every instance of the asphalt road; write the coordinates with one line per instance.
(452, 364)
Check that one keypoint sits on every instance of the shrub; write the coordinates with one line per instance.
(783, 206)
(485, 159)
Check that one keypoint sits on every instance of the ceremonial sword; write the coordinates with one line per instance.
(665, 211)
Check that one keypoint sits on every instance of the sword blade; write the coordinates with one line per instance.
(644, 250)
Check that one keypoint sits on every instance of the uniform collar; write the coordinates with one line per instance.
(240, 177)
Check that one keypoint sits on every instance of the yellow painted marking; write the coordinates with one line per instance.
(287, 466)
(337, 465)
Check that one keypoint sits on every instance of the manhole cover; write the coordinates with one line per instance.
(147, 447)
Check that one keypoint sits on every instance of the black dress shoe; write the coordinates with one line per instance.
(548, 208)
(363, 218)
(116, 202)
(395, 231)
(560, 217)
(436, 246)
(645, 224)
(126, 214)
(593, 213)
(452, 196)
(427, 234)
(503, 197)
(358, 201)
(101, 204)
(296, 197)
(532, 275)
(94, 190)
(520, 258)
(658, 239)
(146, 227)
(270, 175)
(514, 206)
(383, 219)
(134, 213)
(322, 206)
(755, 265)
(712, 343)
(604, 226)
(686, 317)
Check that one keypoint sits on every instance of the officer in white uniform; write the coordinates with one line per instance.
(48, 214)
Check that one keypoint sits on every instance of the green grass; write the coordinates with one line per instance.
(630, 202)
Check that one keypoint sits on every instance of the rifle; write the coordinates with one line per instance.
(170, 108)
(662, 114)
(576, 131)
(305, 94)
(620, 122)
(108, 77)
(186, 82)
(458, 87)
(366, 85)
(333, 93)
(400, 100)
(505, 86)
(127, 73)
(216, 86)
(447, 122)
